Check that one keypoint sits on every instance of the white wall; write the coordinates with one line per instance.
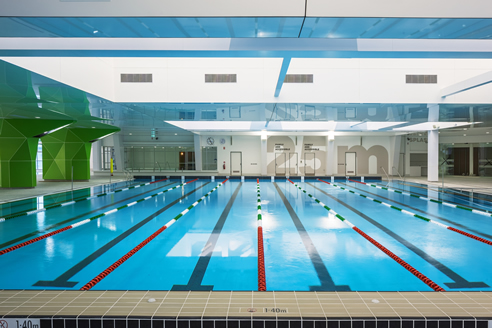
(249, 146)
(384, 8)
(336, 80)
(93, 75)
(150, 8)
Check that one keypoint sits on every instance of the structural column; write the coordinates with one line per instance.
(264, 155)
(330, 155)
(433, 155)
(198, 153)
(433, 145)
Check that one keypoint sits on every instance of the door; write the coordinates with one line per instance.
(280, 164)
(350, 166)
(293, 164)
(461, 161)
(309, 160)
(236, 163)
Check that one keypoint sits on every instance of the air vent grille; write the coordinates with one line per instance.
(298, 78)
(421, 78)
(136, 78)
(220, 78)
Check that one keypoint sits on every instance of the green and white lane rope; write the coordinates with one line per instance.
(488, 242)
(123, 259)
(80, 223)
(426, 198)
(8, 217)
(395, 257)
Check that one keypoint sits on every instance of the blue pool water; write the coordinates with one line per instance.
(213, 245)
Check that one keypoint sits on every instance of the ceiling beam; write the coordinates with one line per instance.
(468, 84)
(281, 76)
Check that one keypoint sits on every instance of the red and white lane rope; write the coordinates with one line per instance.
(399, 260)
(485, 241)
(261, 252)
(80, 223)
(123, 259)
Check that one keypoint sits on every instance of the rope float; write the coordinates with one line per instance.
(80, 223)
(395, 257)
(74, 201)
(485, 241)
(125, 257)
(261, 253)
(425, 198)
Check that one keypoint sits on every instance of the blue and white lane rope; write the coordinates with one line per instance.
(485, 241)
(395, 257)
(8, 217)
(80, 223)
(426, 198)
(125, 257)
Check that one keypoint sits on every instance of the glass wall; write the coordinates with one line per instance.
(154, 158)
(209, 158)
(466, 159)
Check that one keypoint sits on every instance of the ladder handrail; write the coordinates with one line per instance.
(399, 174)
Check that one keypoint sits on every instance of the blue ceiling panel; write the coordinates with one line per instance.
(247, 27)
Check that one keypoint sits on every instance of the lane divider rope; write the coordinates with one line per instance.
(261, 251)
(8, 217)
(425, 198)
(80, 223)
(125, 257)
(395, 257)
(485, 241)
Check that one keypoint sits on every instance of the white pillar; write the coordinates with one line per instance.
(198, 153)
(433, 155)
(263, 157)
(395, 144)
(330, 156)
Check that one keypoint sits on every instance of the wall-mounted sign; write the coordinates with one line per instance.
(280, 147)
(310, 147)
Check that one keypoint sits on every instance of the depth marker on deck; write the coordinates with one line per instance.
(425, 198)
(116, 264)
(80, 223)
(8, 217)
(261, 253)
(395, 257)
(466, 234)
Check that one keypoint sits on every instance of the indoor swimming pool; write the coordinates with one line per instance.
(223, 235)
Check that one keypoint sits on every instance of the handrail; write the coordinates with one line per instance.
(160, 169)
(382, 168)
(398, 174)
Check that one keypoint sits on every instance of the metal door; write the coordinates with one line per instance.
(236, 163)
(350, 164)
(280, 164)
(293, 164)
(309, 162)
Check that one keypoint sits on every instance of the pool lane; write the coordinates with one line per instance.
(26, 227)
(50, 258)
(35, 203)
(170, 258)
(475, 223)
(447, 255)
(422, 190)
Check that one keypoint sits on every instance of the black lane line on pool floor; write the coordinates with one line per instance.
(32, 234)
(62, 280)
(459, 281)
(195, 282)
(327, 283)
(424, 212)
